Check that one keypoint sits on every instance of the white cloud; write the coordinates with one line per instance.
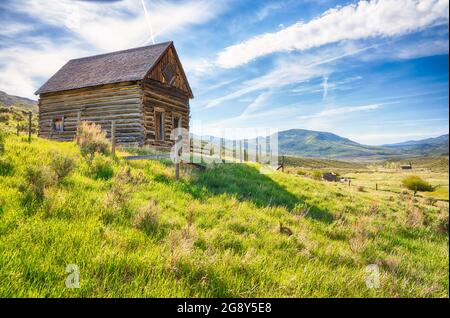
(22, 65)
(339, 111)
(290, 70)
(14, 28)
(118, 25)
(363, 20)
(325, 87)
(91, 28)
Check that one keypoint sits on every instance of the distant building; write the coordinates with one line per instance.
(329, 176)
(406, 167)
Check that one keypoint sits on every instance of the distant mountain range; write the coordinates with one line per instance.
(17, 101)
(316, 144)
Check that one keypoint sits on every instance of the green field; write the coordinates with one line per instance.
(214, 233)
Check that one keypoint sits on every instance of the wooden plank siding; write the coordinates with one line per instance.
(157, 97)
(121, 102)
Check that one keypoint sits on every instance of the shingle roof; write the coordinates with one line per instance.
(120, 66)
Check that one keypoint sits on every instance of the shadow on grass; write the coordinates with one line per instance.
(246, 183)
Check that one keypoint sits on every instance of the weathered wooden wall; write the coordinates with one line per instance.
(170, 58)
(171, 101)
(121, 102)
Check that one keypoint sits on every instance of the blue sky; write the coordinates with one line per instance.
(372, 71)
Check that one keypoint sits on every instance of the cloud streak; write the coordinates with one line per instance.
(363, 20)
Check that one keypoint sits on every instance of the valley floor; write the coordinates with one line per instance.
(141, 233)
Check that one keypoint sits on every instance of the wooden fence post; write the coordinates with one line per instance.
(260, 153)
(282, 163)
(177, 171)
(29, 126)
(240, 151)
(18, 127)
(77, 136)
(113, 137)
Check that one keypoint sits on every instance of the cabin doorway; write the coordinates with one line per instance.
(159, 125)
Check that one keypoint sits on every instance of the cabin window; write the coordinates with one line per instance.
(159, 125)
(58, 124)
(177, 121)
(169, 74)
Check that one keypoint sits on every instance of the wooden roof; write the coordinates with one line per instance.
(121, 66)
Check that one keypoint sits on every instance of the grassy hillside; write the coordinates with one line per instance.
(139, 233)
(317, 144)
(11, 117)
(315, 163)
(27, 104)
(436, 164)
(431, 146)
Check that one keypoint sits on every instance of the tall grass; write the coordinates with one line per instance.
(140, 233)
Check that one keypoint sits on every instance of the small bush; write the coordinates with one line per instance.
(2, 142)
(62, 166)
(361, 189)
(443, 222)
(118, 195)
(414, 216)
(301, 172)
(37, 179)
(317, 175)
(6, 168)
(147, 218)
(92, 139)
(415, 183)
(430, 201)
(101, 167)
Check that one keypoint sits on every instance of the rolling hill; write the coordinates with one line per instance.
(18, 102)
(429, 146)
(316, 144)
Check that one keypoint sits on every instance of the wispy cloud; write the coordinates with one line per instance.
(352, 22)
(339, 111)
(307, 66)
(325, 87)
(86, 28)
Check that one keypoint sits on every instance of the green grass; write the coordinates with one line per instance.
(215, 234)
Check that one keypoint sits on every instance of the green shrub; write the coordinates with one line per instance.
(317, 175)
(101, 167)
(37, 180)
(92, 139)
(6, 168)
(301, 172)
(62, 165)
(416, 183)
(146, 219)
(2, 142)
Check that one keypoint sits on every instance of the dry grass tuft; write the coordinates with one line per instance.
(147, 217)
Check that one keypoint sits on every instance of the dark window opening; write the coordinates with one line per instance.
(58, 124)
(169, 74)
(159, 125)
(177, 122)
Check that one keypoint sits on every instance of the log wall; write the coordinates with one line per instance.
(121, 102)
(169, 100)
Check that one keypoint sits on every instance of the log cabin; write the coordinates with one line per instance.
(144, 90)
